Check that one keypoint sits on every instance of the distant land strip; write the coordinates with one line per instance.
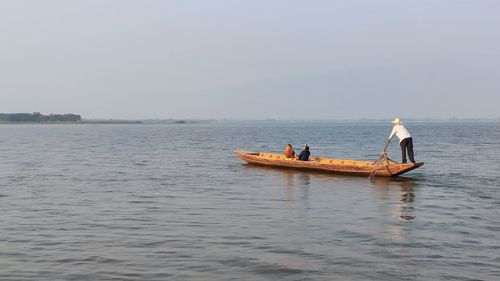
(37, 117)
(69, 118)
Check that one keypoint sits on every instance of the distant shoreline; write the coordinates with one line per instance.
(74, 122)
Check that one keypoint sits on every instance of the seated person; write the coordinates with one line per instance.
(304, 154)
(289, 152)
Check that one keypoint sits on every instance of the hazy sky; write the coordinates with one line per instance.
(251, 59)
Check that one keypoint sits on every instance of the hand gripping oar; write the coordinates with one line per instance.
(377, 163)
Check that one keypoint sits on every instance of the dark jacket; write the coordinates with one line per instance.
(304, 155)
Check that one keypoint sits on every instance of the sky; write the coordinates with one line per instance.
(253, 59)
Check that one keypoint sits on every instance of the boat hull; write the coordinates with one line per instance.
(340, 166)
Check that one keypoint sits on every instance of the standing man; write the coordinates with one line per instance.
(405, 140)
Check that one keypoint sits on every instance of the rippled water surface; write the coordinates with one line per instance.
(170, 202)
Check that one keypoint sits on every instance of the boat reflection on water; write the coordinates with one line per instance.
(398, 189)
(406, 185)
(303, 179)
(291, 177)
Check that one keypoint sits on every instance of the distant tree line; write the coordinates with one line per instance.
(38, 117)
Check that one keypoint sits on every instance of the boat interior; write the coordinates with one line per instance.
(313, 159)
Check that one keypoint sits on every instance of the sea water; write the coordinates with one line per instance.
(171, 202)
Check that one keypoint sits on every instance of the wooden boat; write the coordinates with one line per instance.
(387, 168)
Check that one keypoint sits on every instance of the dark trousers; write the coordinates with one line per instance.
(407, 144)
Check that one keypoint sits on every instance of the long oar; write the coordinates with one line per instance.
(374, 172)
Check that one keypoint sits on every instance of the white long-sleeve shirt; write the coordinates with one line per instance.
(401, 132)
